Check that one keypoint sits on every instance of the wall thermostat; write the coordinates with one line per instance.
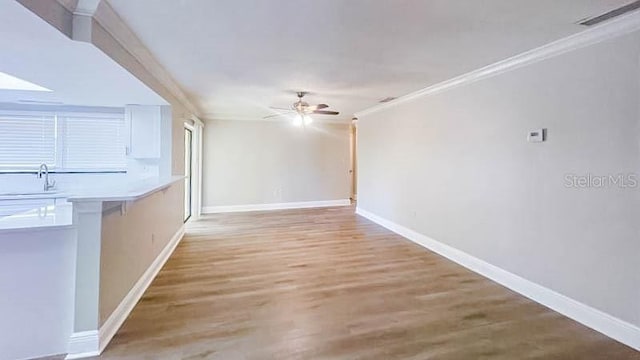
(538, 135)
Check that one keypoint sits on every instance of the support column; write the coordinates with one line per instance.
(87, 216)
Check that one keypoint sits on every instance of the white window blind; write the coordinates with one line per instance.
(27, 141)
(93, 142)
(65, 142)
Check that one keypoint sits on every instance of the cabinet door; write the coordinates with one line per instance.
(144, 131)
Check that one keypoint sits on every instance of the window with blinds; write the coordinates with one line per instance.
(92, 142)
(27, 141)
(79, 142)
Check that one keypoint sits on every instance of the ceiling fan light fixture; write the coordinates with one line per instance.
(307, 119)
(301, 111)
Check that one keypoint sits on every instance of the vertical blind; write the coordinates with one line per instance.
(66, 141)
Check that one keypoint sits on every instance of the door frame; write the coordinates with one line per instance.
(353, 171)
(196, 126)
(188, 130)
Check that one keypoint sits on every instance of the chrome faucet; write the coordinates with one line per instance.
(45, 169)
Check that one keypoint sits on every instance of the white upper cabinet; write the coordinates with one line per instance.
(144, 127)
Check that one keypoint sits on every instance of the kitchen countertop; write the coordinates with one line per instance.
(57, 216)
(60, 214)
(125, 192)
(33, 195)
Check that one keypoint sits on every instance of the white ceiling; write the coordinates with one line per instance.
(238, 57)
(78, 73)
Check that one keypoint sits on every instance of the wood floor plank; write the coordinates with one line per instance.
(328, 284)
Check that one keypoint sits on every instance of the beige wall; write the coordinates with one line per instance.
(262, 162)
(132, 241)
(456, 166)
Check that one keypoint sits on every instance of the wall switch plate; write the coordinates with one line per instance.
(538, 135)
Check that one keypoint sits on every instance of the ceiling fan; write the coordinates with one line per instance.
(302, 111)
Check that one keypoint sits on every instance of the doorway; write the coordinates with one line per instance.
(188, 173)
(354, 159)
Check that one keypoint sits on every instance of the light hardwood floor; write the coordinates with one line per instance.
(327, 284)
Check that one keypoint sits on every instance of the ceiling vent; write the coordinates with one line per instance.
(610, 14)
(387, 99)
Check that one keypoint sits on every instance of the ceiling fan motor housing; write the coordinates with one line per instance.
(300, 106)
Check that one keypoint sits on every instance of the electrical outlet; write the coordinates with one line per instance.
(538, 135)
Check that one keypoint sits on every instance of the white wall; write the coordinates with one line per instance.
(456, 166)
(262, 162)
(165, 210)
(36, 301)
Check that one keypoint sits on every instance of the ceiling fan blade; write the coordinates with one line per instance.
(275, 115)
(279, 108)
(317, 107)
(325, 112)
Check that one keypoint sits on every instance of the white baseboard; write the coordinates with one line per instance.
(276, 206)
(602, 322)
(83, 344)
(92, 343)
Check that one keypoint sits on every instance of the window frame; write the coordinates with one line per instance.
(59, 118)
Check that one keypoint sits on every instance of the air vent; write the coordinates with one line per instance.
(611, 14)
(387, 99)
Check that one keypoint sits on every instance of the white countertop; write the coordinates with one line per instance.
(60, 214)
(33, 195)
(125, 192)
(44, 217)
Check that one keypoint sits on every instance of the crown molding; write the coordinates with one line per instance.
(77, 19)
(112, 23)
(623, 25)
(58, 14)
(70, 5)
